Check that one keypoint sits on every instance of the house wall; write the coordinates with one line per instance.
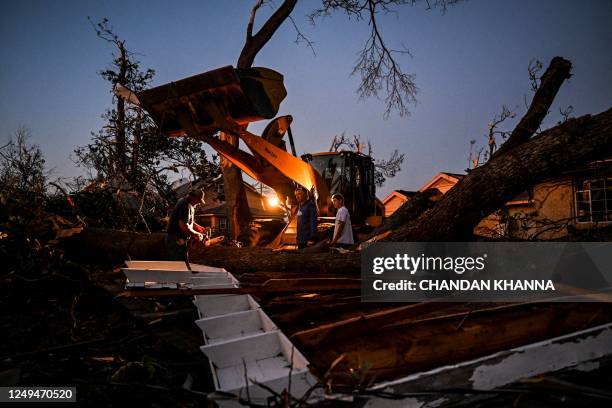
(492, 226)
(393, 204)
(546, 215)
(217, 223)
(212, 196)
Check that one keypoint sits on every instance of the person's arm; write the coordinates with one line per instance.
(190, 230)
(202, 231)
(183, 217)
(338, 232)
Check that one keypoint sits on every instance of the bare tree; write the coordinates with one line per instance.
(386, 169)
(474, 156)
(377, 63)
(383, 169)
(22, 167)
(566, 114)
(118, 74)
(129, 154)
(533, 69)
(494, 131)
(339, 141)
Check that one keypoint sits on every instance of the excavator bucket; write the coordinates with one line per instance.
(241, 95)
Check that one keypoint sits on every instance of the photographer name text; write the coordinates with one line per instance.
(465, 285)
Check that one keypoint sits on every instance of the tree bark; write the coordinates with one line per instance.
(237, 206)
(120, 139)
(136, 145)
(245, 260)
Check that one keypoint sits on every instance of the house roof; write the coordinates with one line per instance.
(451, 177)
(183, 189)
(407, 193)
(458, 176)
(404, 194)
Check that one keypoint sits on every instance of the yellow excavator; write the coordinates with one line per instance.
(227, 100)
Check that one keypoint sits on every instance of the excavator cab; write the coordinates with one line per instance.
(352, 175)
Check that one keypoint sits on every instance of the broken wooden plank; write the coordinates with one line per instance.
(407, 347)
(500, 369)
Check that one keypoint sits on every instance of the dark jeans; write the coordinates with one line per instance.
(176, 251)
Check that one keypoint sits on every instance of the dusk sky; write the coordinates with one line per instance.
(468, 62)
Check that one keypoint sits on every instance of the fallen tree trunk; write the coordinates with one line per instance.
(244, 260)
(113, 247)
(487, 188)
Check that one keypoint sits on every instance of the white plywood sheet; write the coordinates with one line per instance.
(176, 272)
(214, 305)
(158, 265)
(205, 268)
(234, 325)
(233, 377)
(247, 348)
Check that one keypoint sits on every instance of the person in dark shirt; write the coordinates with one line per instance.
(182, 226)
(306, 218)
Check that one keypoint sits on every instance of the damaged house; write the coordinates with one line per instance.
(576, 201)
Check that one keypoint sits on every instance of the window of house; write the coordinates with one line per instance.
(594, 199)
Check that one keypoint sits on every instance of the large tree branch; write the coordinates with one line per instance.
(254, 43)
(557, 72)
(249, 30)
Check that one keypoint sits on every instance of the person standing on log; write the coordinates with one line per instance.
(182, 226)
(343, 229)
(306, 219)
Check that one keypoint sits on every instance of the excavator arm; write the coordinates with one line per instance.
(226, 100)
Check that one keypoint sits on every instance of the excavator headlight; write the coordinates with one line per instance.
(272, 201)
